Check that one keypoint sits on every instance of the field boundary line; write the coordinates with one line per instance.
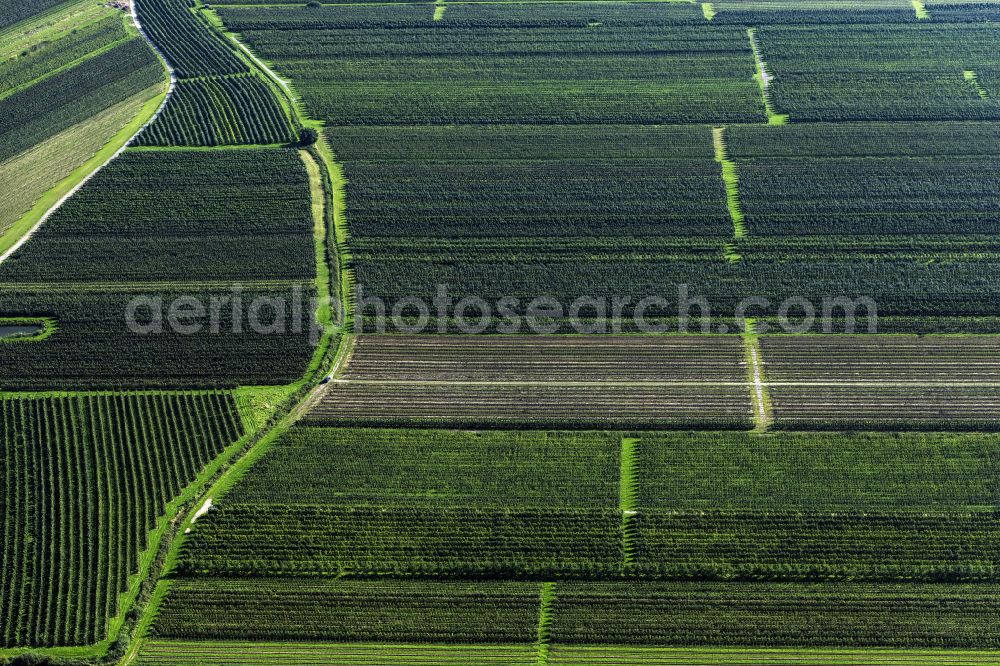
(760, 397)
(439, 9)
(731, 179)
(920, 9)
(764, 79)
(68, 66)
(547, 598)
(627, 500)
(299, 5)
(44, 16)
(708, 10)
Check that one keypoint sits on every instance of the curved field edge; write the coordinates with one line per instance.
(138, 606)
(332, 350)
(333, 314)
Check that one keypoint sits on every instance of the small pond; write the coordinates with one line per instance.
(20, 330)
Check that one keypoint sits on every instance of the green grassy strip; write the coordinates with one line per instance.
(131, 33)
(318, 193)
(547, 598)
(629, 471)
(165, 541)
(327, 358)
(48, 324)
(708, 9)
(759, 396)
(174, 652)
(731, 253)
(732, 180)
(920, 9)
(439, 9)
(763, 81)
(973, 80)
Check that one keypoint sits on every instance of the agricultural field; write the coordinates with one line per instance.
(670, 382)
(85, 477)
(231, 435)
(189, 216)
(507, 63)
(862, 382)
(220, 112)
(127, 244)
(72, 81)
(430, 503)
(892, 72)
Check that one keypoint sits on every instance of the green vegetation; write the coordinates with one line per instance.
(74, 95)
(187, 216)
(27, 177)
(220, 112)
(505, 150)
(13, 11)
(190, 45)
(391, 611)
(75, 85)
(507, 63)
(769, 615)
(84, 478)
(94, 349)
(429, 502)
(570, 382)
(158, 652)
(889, 72)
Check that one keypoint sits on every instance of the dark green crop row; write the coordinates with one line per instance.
(191, 47)
(433, 468)
(93, 346)
(654, 614)
(74, 95)
(890, 72)
(711, 506)
(185, 216)
(48, 56)
(14, 11)
(220, 112)
(552, 64)
(772, 615)
(870, 196)
(82, 480)
(341, 610)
